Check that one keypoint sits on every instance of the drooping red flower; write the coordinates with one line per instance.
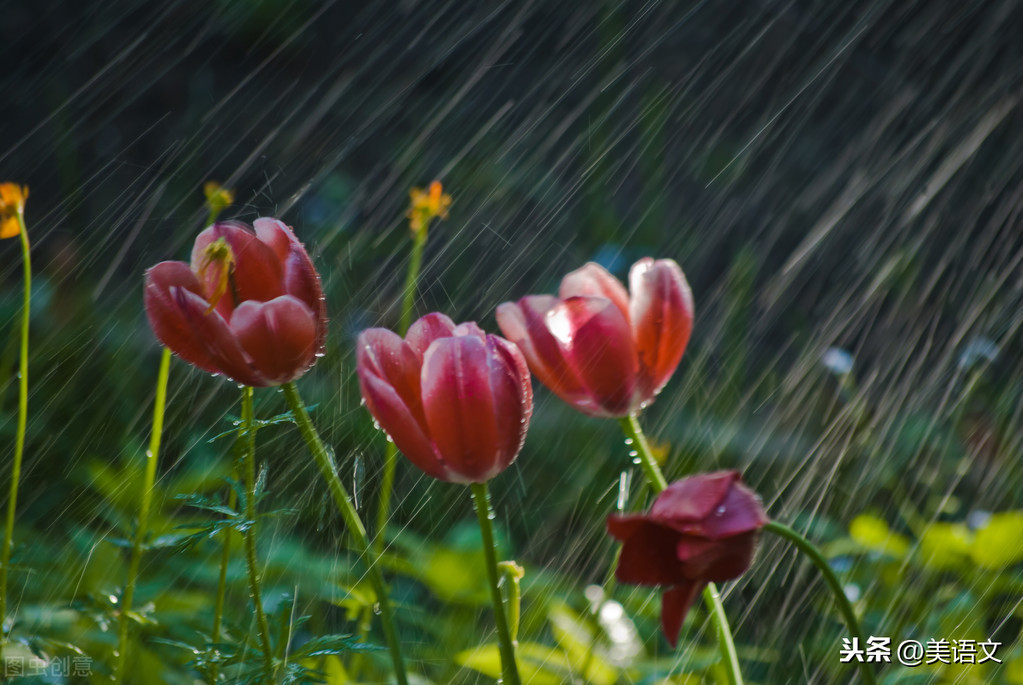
(602, 350)
(249, 306)
(701, 529)
(455, 400)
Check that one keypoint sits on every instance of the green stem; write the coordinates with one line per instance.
(509, 669)
(711, 598)
(218, 607)
(411, 280)
(19, 443)
(351, 518)
(814, 554)
(391, 452)
(142, 527)
(249, 470)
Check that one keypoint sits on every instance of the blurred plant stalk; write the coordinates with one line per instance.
(12, 218)
(844, 606)
(425, 206)
(142, 526)
(353, 523)
(249, 536)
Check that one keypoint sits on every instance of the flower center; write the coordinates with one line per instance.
(215, 269)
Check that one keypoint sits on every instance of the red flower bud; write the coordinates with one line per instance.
(597, 348)
(455, 401)
(249, 307)
(701, 529)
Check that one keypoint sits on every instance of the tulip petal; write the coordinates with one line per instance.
(661, 312)
(513, 397)
(596, 341)
(216, 337)
(386, 355)
(395, 419)
(427, 329)
(717, 560)
(279, 336)
(648, 552)
(168, 321)
(275, 234)
(523, 323)
(258, 272)
(459, 407)
(675, 604)
(594, 280)
(693, 499)
(300, 276)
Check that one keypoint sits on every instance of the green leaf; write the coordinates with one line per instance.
(873, 534)
(1000, 542)
(945, 545)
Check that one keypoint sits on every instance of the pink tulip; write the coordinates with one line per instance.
(456, 401)
(701, 529)
(601, 350)
(249, 306)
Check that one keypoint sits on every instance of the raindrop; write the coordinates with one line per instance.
(113, 599)
(720, 511)
(623, 490)
(376, 609)
(320, 355)
(628, 441)
(637, 460)
(633, 453)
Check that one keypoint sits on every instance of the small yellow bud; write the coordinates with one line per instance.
(12, 208)
(427, 205)
(218, 198)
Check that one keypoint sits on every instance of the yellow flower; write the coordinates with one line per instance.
(12, 208)
(427, 205)
(218, 198)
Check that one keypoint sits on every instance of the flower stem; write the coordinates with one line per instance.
(249, 471)
(351, 518)
(142, 527)
(19, 444)
(411, 280)
(218, 607)
(711, 598)
(815, 556)
(391, 452)
(509, 669)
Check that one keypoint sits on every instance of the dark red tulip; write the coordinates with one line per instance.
(602, 350)
(249, 306)
(455, 401)
(701, 529)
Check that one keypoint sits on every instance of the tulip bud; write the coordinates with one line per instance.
(249, 307)
(701, 529)
(454, 400)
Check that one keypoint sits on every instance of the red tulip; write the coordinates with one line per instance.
(455, 401)
(597, 348)
(249, 306)
(702, 529)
